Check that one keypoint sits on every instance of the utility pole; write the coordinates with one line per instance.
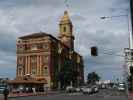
(131, 25)
(129, 51)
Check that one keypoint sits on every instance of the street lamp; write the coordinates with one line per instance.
(130, 41)
(129, 26)
(104, 17)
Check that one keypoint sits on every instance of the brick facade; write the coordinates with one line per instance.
(40, 56)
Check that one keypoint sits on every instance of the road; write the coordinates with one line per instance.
(102, 95)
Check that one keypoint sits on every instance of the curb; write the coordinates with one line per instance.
(19, 95)
(27, 95)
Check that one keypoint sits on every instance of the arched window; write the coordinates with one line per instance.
(45, 70)
(64, 29)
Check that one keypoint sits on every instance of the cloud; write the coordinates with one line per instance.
(20, 17)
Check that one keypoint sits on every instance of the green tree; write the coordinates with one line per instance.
(67, 74)
(92, 78)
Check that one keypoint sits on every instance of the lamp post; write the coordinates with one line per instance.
(59, 67)
(104, 17)
(128, 55)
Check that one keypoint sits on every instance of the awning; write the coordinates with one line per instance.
(27, 82)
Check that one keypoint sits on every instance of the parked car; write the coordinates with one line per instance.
(87, 90)
(2, 89)
(81, 88)
(103, 86)
(78, 89)
(121, 87)
(95, 89)
(70, 89)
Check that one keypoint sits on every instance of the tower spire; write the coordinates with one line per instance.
(66, 31)
(65, 17)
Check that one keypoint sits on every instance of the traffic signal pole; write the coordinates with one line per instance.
(128, 51)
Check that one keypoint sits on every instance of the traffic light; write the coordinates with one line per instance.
(94, 51)
(131, 70)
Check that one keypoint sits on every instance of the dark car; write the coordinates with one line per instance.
(2, 90)
(95, 89)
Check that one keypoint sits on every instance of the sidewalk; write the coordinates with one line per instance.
(130, 96)
(24, 94)
(11, 95)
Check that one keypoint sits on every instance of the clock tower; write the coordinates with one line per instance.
(66, 31)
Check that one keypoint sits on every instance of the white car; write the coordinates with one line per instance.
(70, 89)
(95, 89)
(87, 90)
(77, 89)
(121, 87)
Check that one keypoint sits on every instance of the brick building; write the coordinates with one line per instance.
(40, 57)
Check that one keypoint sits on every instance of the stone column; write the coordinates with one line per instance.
(25, 64)
(40, 66)
(29, 65)
(37, 67)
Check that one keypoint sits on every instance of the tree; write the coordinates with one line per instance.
(92, 78)
(67, 74)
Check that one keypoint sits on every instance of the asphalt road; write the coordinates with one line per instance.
(102, 95)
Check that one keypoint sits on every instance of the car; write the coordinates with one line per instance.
(95, 89)
(87, 90)
(70, 89)
(2, 89)
(81, 88)
(77, 89)
(121, 87)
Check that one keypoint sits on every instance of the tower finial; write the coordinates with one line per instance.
(65, 16)
(65, 12)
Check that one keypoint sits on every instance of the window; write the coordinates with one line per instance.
(33, 70)
(40, 46)
(45, 70)
(132, 53)
(45, 46)
(20, 59)
(20, 70)
(33, 47)
(20, 47)
(20, 66)
(64, 29)
(45, 59)
(33, 59)
(27, 47)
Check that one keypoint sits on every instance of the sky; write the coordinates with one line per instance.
(22, 17)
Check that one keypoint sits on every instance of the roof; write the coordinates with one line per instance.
(36, 35)
(40, 34)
